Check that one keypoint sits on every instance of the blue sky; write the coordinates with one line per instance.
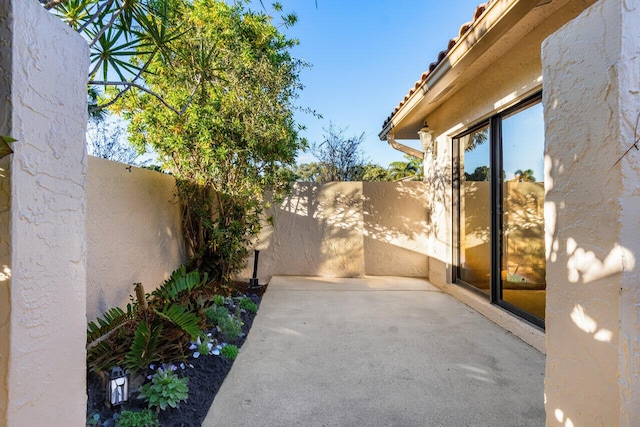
(366, 55)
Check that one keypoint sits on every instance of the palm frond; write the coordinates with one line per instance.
(111, 320)
(182, 317)
(144, 346)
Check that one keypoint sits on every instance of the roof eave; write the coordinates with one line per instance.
(498, 18)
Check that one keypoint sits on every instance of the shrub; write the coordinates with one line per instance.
(145, 418)
(248, 305)
(229, 351)
(217, 314)
(165, 389)
(157, 327)
(230, 328)
(218, 300)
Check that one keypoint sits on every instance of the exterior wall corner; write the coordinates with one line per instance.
(591, 102)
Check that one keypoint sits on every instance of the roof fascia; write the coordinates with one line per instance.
(499, 17)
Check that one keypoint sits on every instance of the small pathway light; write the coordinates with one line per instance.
(117, 387)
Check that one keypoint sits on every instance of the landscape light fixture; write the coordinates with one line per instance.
(253, 282)
(117, 387)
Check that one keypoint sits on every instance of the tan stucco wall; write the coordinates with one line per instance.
(134, 232)
(592, 102)
(396, 225)
(43, 379)
(347, 229)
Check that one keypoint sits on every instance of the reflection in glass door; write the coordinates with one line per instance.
(474, 229)
(500, 206)
(523, 264)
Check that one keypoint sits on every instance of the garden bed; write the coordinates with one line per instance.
(205, 373)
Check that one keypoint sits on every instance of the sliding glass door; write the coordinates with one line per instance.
(474, 266)
(500, 204)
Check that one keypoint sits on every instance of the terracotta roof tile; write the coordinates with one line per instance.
(463, 30)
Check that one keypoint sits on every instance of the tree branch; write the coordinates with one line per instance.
(144, 89)
(53, 3)
(122, 92)
(95, 15)
(115, 16)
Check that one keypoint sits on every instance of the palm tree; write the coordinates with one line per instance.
(524, 176)
(410, 170)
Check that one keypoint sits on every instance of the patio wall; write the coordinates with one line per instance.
(592, 104)
(43, 66)
(347, 229)
(134, 232)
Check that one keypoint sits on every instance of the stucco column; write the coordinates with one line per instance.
(42, 207)
(591, 70)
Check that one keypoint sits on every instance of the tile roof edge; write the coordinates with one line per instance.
(464, 28)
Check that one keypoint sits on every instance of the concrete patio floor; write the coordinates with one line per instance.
(377, 351)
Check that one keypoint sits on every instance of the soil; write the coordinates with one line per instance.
(205, 374)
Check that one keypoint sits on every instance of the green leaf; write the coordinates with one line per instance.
(143, 349)
(181, 316)
(5, 149)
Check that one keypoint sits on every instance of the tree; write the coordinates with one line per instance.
(409, 170)
(313, 172)
(340, 158)
(478, 138)
(308, 172)
(524, 176)
(236, 140)
(107, 139)
(481, 173)
(124, 37)
(372, 172)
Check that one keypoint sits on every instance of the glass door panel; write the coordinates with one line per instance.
(474, 227)
(523, 249)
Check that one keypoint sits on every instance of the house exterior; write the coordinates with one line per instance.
(526, 120)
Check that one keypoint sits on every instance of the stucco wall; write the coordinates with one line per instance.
(347, 229)
(47, 112)
(592, 102)
(134, 232)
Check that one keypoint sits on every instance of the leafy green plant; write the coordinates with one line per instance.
(229, 351)
(180, 283)
(230, 328)
(218, 300)
(144, 418)
(205, 346)
(5, 149)
(216, 314)
(144, 346)
(157, 327)
(165, 389)
(248, 305)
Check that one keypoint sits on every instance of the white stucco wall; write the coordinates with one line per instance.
(347, 229)
(47, 112)
(134, 232)
(592, 102)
